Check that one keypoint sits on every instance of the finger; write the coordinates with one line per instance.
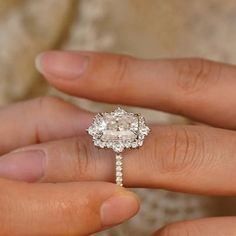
(40, 120)
(197, 88)
(210, 226)
(181, 158)
(62, 209)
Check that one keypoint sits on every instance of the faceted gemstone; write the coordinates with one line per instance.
(119, 163)
(119, 174)
(118, 130)
(119, 168)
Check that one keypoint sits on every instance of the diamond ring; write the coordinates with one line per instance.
(118, 130)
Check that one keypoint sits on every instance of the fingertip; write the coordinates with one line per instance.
(38, 62)
(61, 64)
(119, 208)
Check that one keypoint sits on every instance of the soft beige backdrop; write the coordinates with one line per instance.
(149, 29)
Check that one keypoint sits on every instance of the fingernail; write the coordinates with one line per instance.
(117, 209)
(25, 166)
(64, 65)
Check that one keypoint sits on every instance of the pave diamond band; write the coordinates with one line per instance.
(118, 130)
(119, 170)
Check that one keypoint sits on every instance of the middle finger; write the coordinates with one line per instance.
(188, 87)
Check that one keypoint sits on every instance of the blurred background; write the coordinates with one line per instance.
(147, 29)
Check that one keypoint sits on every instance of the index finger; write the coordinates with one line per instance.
(201, 89)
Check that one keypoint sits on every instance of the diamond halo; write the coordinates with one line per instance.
(118, 130)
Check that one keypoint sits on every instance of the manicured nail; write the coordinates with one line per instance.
(117, 209)
(25, 166)
(63, 65)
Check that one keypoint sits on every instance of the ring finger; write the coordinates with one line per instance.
(184, 158)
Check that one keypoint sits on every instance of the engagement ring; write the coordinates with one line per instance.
(118, 130)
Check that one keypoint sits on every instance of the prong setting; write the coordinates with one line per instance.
(118, 130)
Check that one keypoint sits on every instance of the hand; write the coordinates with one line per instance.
(194, 159)
(76, 208)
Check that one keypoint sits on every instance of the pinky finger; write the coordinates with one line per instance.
(217, 226)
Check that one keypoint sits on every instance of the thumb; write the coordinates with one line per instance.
(64, 209)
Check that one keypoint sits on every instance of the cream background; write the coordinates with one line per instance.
(148, 29)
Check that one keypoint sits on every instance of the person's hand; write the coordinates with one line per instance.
(49, 209)
(194, 159)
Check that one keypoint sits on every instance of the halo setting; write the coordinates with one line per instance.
(118, 130)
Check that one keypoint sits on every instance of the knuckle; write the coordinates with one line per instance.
(82, 154)
(185, 150)
(121, 71)
(48, 102)
(197, 74)
(45, 107)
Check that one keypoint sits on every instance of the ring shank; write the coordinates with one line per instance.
(119, 169)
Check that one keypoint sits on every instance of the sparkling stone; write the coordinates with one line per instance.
(134, 145)
(119, 174)
(102, 144)
(118, 130)
(144, 130)
(109, 144)
(118, 163)
(140, 142)
(118, 147)
(119, 168)
(127, 144)
(141, 136)
(118, 157)
(97, 142)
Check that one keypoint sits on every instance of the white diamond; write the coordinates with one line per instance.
(128, 144)
(144, 130)
(118, 130)
(118, 163)
(119, 168)
(97, 142)
(140, 142)
(134, 145)
(119, 174)
(117, 147)
(102, 144)
(118, 157)
(109, 144)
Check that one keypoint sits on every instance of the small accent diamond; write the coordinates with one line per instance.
(118, 163)
(118, 168)
(118, 173)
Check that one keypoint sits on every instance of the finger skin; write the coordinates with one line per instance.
(190, 87)
(40, 120)
(67, 209)
(221, 226)
(180, 158)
